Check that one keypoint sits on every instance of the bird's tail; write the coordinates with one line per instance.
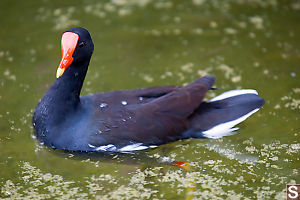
(217, 117)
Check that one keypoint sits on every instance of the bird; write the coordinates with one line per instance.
(131, 120)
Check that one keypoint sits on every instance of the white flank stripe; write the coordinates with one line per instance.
(226, 128)
(232, 93)
(109, 147)
(133, 147)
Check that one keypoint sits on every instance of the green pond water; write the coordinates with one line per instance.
(142, 43)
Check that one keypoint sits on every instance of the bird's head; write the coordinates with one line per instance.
(76, 47)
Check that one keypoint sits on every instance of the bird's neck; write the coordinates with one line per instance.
(63, 98)
(67, 88)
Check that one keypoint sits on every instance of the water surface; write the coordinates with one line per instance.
(246, 44)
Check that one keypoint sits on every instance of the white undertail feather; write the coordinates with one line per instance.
(228, 128)
(232, 93)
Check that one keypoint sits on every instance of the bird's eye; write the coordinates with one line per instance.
(82, 44)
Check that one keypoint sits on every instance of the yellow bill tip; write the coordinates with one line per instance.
(59, 72)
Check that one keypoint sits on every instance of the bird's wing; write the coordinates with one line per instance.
(162, 119)
(153, 92)
(165, 118)
(182, 102)
(138, 96)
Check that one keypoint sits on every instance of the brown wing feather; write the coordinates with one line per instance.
(169, 114)
(162, 119)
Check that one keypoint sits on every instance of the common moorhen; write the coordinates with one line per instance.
(130, 120)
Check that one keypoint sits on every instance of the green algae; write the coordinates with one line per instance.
(245, 43)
